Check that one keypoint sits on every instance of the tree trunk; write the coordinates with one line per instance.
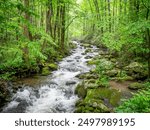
(63, 13)
(27, 33)
(56, 26)
(109, 14)
(49, 18)
(148, 42)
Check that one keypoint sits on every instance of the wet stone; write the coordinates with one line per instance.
(69, 60)
(70, 83)
(77, 57)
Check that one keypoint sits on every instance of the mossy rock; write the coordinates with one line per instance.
(80, 103)
(112, 95)
(86, 45)
(91, 76)
(137, 70)
(136, 86)
(101, 108)
(79, 110)
(53, 66)
(93, 62)
(103, 52)
(72, 45)
(112, 73)
(81, 76)
(60, 57)
(88, 57)
(88, 50)
(124, 78)
(113, 60)
(90, 81)
(106, 64)
(91, 86)
(45, 71)
(81, 91)
(90, 106)
(87, 76)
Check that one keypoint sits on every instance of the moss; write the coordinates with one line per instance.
(112, 95)
(78, 110)
(92, 81)
(125, 78)
(86, 45)
(91, 86)
(87, 76)
(112, 73)
(72, 45)
(81, 91)
(93, 62)
(81, 76)
(59, 57)
(45, 71)
(53, 66)
(88, 50)
(95, 100)
(137, 70)
(136, 86)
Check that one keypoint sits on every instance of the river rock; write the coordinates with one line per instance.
(91, 105)
(93, 62)
(53, 66)
(81, 91)
(136, 86)
(70, 83)
(86, 45)
(45, 71)
(77, 57)
(112, 73)
(88, 50)
(88, 57)
(69, 60)
(137, 71)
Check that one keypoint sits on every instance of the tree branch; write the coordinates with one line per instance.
(70, 22)
(145, 5)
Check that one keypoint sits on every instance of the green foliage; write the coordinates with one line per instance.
(10, 57)
(35, 53)
(26, 39)
(139, 103)
(101, 68)
(112, 41)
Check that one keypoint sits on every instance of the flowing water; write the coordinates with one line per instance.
(56, 95)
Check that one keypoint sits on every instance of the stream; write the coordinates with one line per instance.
(53, 93)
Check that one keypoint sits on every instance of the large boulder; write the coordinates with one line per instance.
(81, 90)
(137, 71)
(53, 66)
(45, 71)
(136, 86)
(91, 104)
(112, 73)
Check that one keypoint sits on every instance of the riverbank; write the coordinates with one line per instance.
(103, 88)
